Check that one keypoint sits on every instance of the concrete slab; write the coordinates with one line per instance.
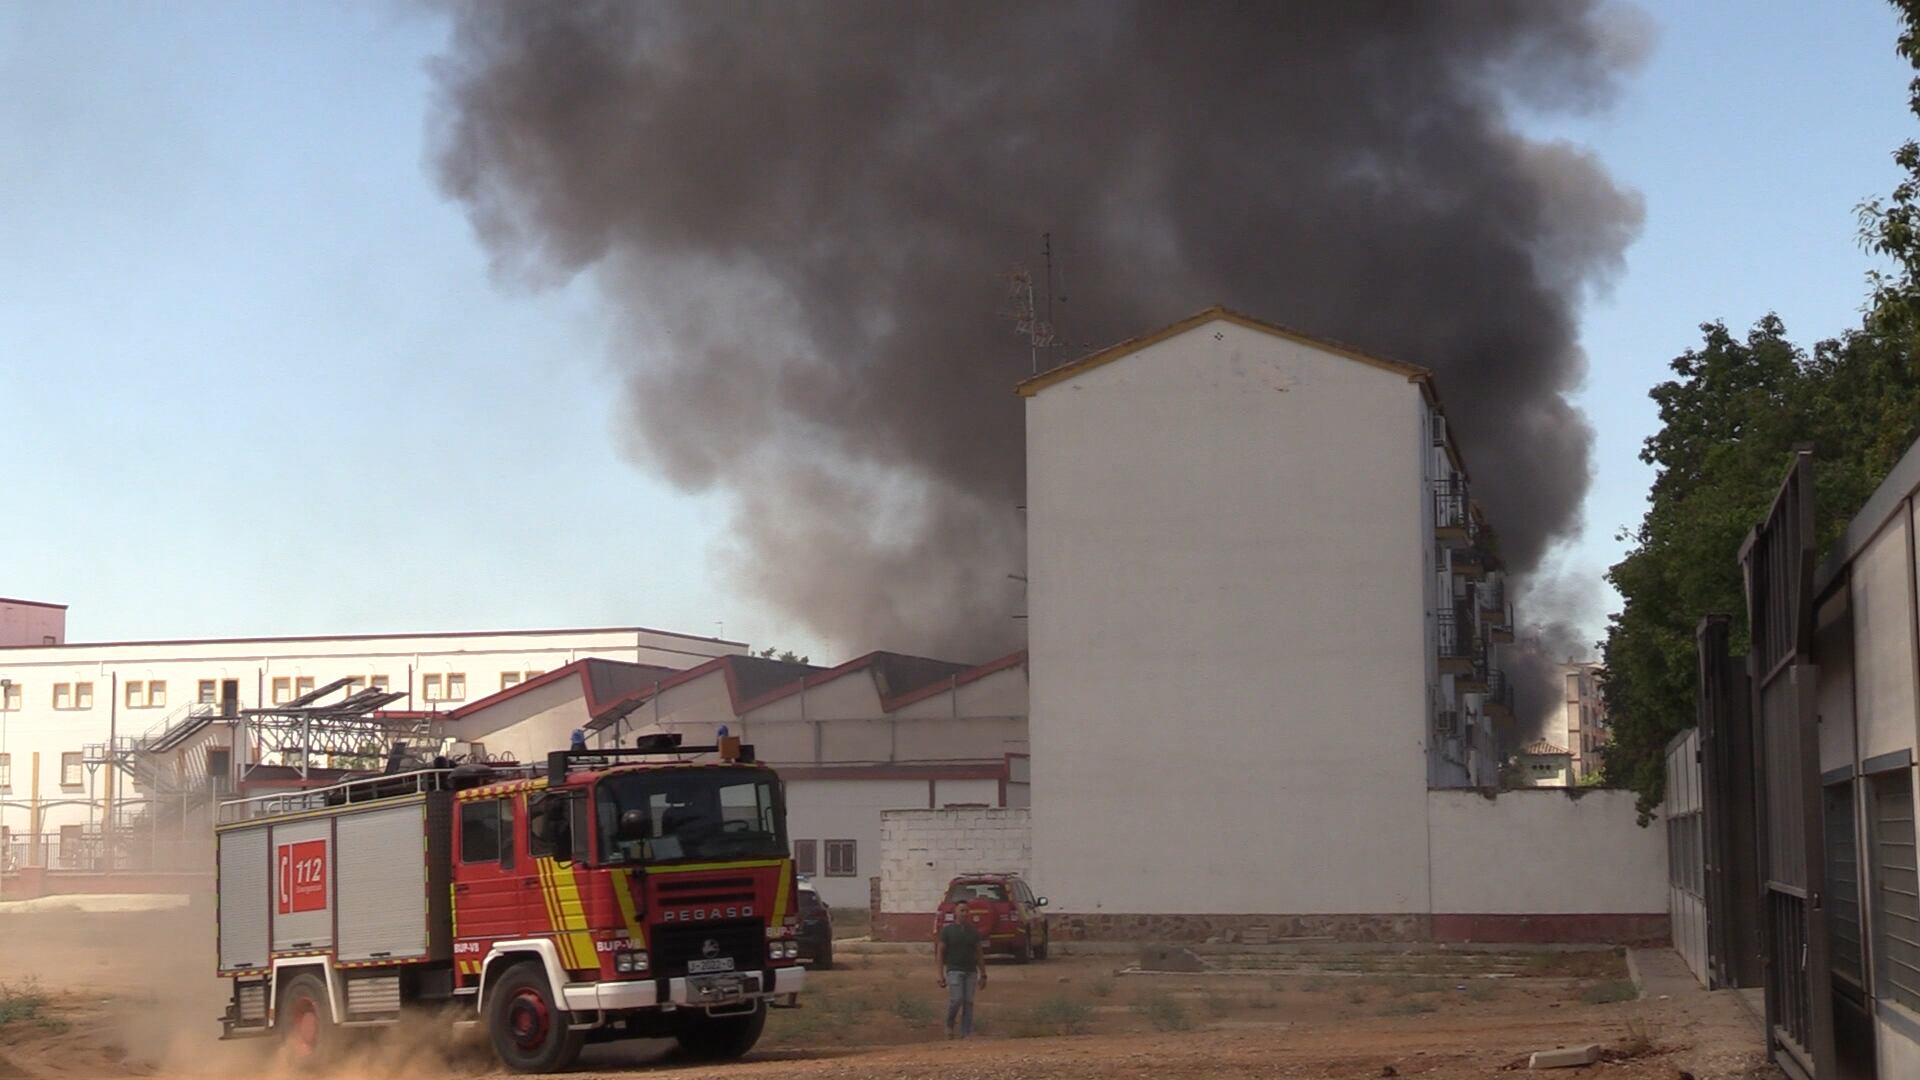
(1565, 1057)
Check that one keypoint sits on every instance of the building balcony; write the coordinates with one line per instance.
(1453, 523)
(1472, 562)
(1491, 596)
(1458, 650)
(1498, 700)
(1475, 680)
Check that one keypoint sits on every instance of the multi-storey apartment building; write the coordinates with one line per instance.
(1265, 620)
(1585, 716)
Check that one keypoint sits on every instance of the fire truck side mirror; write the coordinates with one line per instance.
(635, 825)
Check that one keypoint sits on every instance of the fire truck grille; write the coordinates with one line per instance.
(712, 891)
(744, 940)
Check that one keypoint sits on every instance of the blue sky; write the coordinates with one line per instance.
(255, 376)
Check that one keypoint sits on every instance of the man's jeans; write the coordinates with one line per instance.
(961, 986)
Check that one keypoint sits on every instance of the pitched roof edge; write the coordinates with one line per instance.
(955, 681)
(1033, 385)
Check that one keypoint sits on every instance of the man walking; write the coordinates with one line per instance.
(960, 956)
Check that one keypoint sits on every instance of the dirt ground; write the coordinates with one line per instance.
(115, 995)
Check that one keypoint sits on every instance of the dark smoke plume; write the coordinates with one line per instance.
(805, 211)
(1554, 609)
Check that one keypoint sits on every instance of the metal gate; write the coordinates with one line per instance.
(1724, 715)
(1778, 560)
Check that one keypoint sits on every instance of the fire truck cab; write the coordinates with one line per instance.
(643, 893)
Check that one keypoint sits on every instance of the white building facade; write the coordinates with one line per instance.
(64, 704)
(1265, 621)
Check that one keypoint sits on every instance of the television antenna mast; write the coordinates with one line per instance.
(1028, 319)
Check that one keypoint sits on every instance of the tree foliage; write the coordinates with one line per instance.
(1730, 421)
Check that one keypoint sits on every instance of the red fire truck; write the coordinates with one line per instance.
(611, 894)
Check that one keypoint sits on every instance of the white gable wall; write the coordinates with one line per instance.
(1227, 596)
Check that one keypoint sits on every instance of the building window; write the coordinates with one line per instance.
(841, 860)
(135, 694)
(1895, 914)
(208, 693)
(302, 685)
(10, 697)
(282, 689)
(509, 680)
(456, 686)
(1843, 890)
(378, 682)
(806, 856)
(73, 772)
(430, 687)
(156, 693)
(355, 684)
(6, 772)
(83, 695)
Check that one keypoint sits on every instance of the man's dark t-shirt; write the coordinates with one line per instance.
(962, 947)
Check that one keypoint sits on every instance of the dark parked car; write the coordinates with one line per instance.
(816, 929)
(1005, 912)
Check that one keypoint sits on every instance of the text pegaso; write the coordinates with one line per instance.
(702, 913)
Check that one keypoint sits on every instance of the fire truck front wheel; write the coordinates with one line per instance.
(304, 1020)
(527, 1025)
(719, 1038)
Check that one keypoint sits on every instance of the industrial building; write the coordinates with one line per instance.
(96, 730)
(881, 732)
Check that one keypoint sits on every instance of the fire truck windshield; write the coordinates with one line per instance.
(690, 815)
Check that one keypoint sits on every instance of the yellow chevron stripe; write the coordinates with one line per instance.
(623, 892)
(780, 895)
(550, 894)
(574, 916)
(453, 908)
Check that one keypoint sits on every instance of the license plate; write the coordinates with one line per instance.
(702, 967)
(716, 989)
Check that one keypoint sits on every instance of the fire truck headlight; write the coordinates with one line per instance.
(630, 963)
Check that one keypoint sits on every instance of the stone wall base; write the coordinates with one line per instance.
(1600, 929)
(1614, 929)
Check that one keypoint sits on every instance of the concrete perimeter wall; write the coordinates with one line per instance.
(1545, 865)
(922, 850)
(1537, 866)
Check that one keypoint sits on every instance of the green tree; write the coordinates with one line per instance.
(1730, 422)
(784, 655)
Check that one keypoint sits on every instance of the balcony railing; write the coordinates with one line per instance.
(1456, 643)
(1452, 514)
(1498, 699)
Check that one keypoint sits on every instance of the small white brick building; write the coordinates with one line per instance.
(922, 850)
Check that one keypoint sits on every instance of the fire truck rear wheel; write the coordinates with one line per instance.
(304, 1020)
(527, 1025)
(720, 1038)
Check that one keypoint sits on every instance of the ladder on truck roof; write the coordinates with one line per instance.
(362, 790)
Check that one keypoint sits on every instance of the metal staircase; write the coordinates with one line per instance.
(145, 757)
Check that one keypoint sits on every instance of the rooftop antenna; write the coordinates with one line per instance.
(1027, 319)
